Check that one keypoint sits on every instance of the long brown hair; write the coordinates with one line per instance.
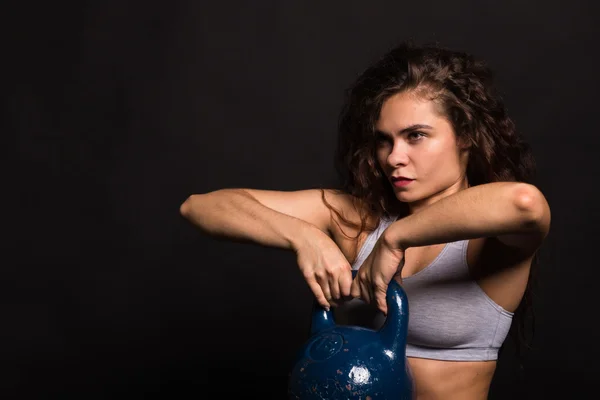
(462, 86)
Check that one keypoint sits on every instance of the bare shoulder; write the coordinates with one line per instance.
(349, 222)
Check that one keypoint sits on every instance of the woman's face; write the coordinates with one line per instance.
(416, 142)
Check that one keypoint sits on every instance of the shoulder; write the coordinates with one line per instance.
(349, 221)
(347, 211)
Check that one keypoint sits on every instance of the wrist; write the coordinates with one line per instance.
(301, 234)
(393, 237)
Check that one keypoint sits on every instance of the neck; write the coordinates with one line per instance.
(459, 185)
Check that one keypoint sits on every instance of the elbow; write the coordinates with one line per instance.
(185, 209)
(532, 208)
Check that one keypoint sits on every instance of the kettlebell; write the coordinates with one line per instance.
(355, 362)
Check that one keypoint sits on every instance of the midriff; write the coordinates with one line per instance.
(448, 380)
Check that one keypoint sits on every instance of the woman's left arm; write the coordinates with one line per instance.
(515, 213)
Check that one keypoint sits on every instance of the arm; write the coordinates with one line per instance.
(515, 213)
(237, 215)
(297, 220)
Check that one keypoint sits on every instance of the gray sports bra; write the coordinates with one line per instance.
(450, 316)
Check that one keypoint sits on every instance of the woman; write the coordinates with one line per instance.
(436, 193)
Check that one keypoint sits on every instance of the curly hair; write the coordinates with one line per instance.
(463, 89)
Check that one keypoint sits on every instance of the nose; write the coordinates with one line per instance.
(398, 155)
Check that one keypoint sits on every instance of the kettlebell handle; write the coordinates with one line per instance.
(395, 328)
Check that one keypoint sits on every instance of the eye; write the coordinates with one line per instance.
(415, 136)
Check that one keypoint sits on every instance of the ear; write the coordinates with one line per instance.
(464, 143)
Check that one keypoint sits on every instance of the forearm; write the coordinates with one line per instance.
(490, 210)
(235, 215)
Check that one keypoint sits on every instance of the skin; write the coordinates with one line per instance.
(502, 239)
(428, 153)
(431, 155)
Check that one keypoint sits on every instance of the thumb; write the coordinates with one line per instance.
(355, 289)
(380, 296)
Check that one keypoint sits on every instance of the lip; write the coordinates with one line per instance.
(400, 181)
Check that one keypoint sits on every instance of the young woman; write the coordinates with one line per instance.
(436, 193)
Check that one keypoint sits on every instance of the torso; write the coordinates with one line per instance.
(504, 283)
(503, 280)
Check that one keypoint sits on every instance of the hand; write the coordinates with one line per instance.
(381, 266)
(325, 268)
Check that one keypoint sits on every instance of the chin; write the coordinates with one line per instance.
(405, 197)
(409, 196)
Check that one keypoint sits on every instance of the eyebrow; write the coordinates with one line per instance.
(408, 129)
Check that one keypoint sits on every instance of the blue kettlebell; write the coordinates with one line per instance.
(354, 362)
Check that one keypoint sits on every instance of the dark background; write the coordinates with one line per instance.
(118, 110)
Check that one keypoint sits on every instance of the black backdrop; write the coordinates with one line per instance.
(118, 110)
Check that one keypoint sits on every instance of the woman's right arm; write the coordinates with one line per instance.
(295, 220)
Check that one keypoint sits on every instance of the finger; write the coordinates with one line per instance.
(324, 283)
(334, 303)
(334, 286)
(345, 282)
(380, 297)
(398, 278)
(364, 291)
(398, 273)
(318, 293)
(355, 289)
